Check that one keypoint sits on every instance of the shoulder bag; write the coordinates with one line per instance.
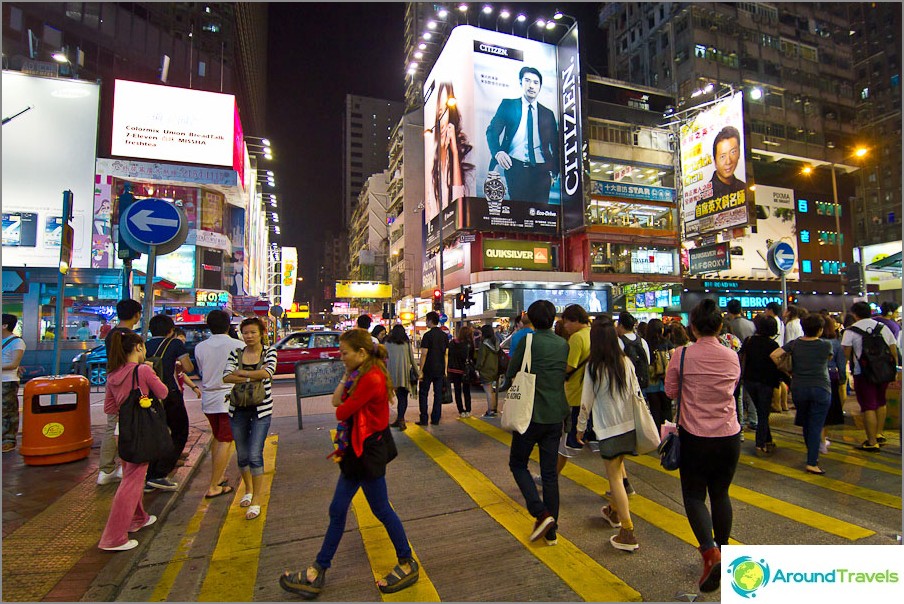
(518, 409)
(645, 432)
(143, 433)
(248, 394)
(670, 447)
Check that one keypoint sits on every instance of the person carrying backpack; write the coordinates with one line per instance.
(871, 351)
(661, 351)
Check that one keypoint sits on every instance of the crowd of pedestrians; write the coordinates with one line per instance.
(713, 377)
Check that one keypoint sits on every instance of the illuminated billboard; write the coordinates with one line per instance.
(714, 169)
(363, 289)
(176, 125)
(49, 146)
(289, 275)
(505, 154)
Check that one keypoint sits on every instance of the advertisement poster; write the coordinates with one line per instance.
(212, 212)
(178, 267)
(499, 142)
(101, 230)
(774, 221)
(53, 231)
(714, 169)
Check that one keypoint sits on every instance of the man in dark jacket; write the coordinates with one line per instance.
(433, 363)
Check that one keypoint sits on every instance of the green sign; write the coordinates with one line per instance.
(506, 253)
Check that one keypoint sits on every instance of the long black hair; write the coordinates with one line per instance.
(654, 334)
(464, 147)
(606, 355)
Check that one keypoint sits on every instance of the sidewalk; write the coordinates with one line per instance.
(53, 517)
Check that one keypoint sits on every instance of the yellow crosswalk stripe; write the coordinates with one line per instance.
(652, 514)
(381, 553)
(233, 565)
(587, 578)
(171, 572)
(848, 458)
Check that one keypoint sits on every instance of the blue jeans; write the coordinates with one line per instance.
(812, 408)
(249, 433)
(437, 383)
(547, 436)
(378, 499)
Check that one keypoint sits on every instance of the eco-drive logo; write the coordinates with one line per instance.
(749, 575)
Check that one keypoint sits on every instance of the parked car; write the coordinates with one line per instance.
(305, 346)
(93, 363)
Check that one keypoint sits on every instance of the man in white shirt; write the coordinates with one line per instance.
(792, 316)
(870, 396)
(211, 356)
(13, 349)
(774, 310)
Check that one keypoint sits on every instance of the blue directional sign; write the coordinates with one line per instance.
(781, 258)
(153, 222)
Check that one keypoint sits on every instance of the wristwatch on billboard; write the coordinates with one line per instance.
(494, 187)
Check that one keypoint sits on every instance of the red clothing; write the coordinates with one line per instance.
(367, 407)
(119, 385)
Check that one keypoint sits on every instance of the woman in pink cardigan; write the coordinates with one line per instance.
(125, 353)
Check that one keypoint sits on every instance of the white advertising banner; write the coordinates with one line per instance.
(49, 147)
(774, 222)
(173, 124)
(874, 253)
(289, 276)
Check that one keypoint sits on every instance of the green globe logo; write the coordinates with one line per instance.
(748, 575)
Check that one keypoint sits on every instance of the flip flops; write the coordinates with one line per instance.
(398, 579)
(223, 490)
(246, 500)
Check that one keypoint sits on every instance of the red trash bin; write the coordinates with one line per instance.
(60, 433)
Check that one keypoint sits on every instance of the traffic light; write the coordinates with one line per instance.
(123, 202)
(854, 277)
(466, 303)
(460, 301)
(388, 311)
(438, 300)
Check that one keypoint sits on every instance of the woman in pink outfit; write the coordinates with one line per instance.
(124, 353)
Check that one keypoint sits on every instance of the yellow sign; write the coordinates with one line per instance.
(299, 311)
(363, 289)
(52, 430)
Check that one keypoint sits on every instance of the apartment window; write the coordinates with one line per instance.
(356, 154)
(864, 94)
(357, 145)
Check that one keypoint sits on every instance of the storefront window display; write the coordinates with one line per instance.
(618, 258)
(631, 214)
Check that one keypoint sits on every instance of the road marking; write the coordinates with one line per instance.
(873, 463)
(591, 581)
(653, 514)
(233, 566)
(381, 553)
(658, 515)
(172, 570)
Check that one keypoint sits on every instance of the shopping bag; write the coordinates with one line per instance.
(518, 408)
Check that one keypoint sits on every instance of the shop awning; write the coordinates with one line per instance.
(889, 264)
(138, 278)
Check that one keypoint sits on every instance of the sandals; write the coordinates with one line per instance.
(298, 582)
(253, 512)
(223, 491)
(246, 500)
(398, 579)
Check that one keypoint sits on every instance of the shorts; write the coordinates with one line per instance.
(222, 429)
(568, 444)
(870, 396)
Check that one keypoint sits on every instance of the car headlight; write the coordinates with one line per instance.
(78, 358)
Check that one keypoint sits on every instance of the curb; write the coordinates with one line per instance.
(109, 581)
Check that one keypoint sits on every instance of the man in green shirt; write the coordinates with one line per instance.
(549, 357)
(577, 325)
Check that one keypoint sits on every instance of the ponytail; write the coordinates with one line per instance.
(122, 344)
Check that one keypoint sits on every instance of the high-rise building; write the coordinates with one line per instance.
(368, 234)
(793, 62)
(365, 133)
(875, 38)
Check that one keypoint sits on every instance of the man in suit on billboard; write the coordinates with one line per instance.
(523, 140)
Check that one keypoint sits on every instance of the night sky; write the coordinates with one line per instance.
(318, 53)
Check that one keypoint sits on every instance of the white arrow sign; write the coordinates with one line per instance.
(144, 219)
(785, 258)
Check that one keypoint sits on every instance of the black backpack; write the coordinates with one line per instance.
(877, 364)
(156, 360)
(634, 350)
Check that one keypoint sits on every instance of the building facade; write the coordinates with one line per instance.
(369, 231)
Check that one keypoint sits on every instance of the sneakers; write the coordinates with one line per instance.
(542, 525)
(712, 567)
(824, 447)
(7, 447)
(130, 544)
(490, 414)
(880, 439)
(538, 480)
(611, 516)
(624, 540)
(164, 484)
(151, 520)
(551, 537)
(865, 446)
(108, 477)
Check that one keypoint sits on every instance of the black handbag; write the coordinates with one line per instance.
(248, 394)
(143, 433)
(670, 448)
(447, 391)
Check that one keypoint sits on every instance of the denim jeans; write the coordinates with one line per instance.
(378, 500)
(762, 400)
(250, 433)
(812, 408)
(547, 437)
(462, 389)
(423, 387)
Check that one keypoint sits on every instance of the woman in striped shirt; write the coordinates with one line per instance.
(250, 425)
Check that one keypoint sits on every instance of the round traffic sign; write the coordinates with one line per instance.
(261, 308)
(781, 258)
(276, 310)
(154, 223)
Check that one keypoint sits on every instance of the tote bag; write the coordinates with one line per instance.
(143, 433)
(644, 426)
(519, 400)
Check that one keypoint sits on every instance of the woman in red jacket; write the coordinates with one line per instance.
(362, 404)
(125, 355)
